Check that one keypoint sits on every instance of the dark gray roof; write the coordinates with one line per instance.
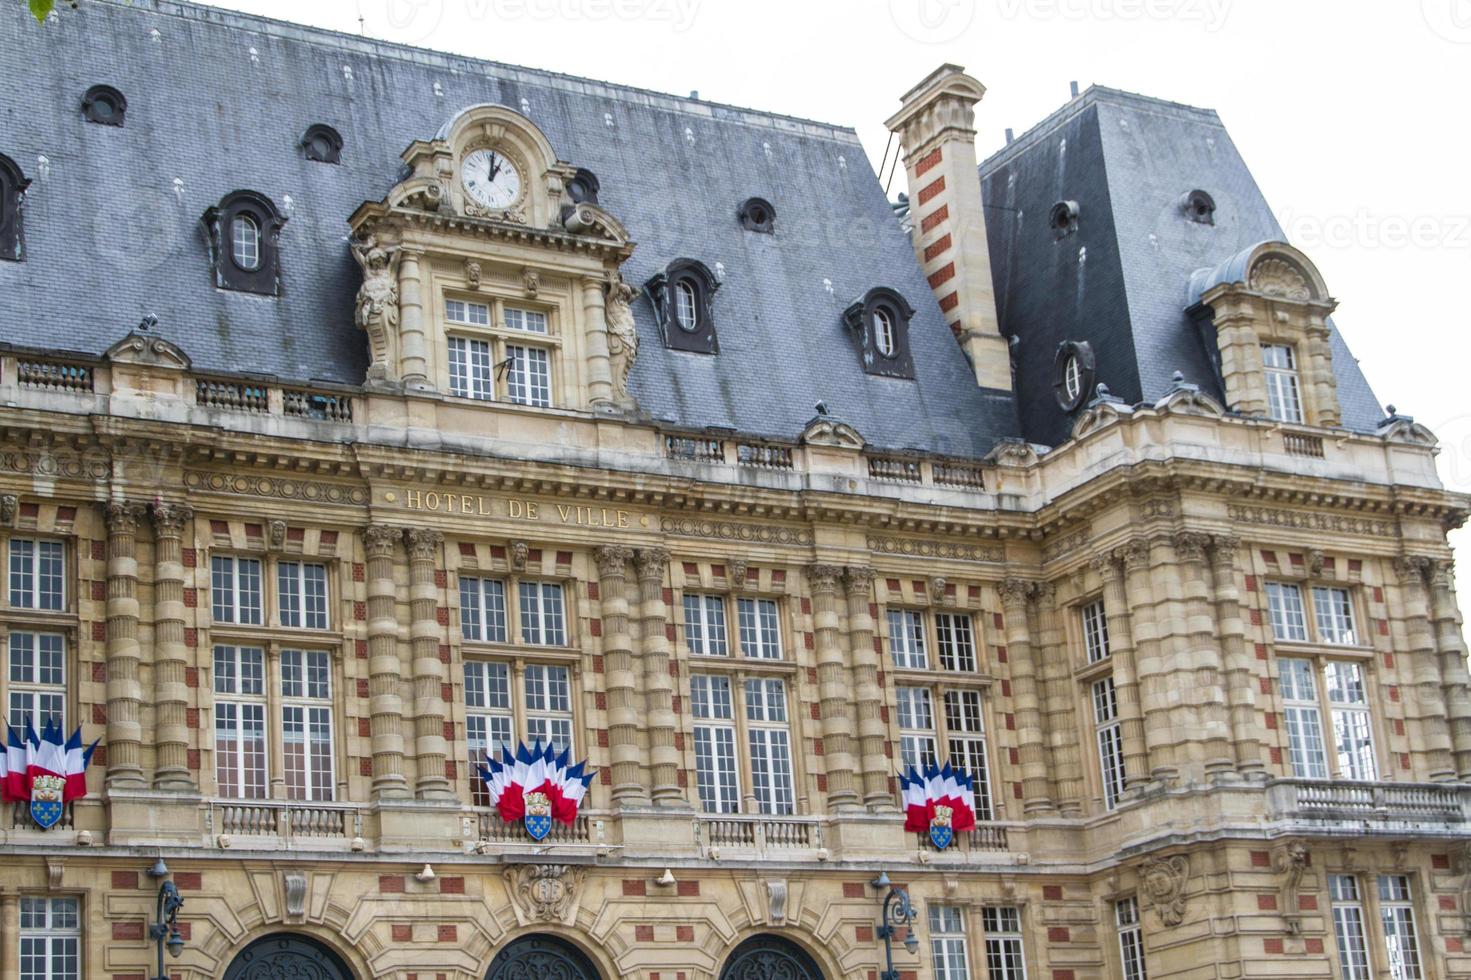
(218, 101)
(1120, 281)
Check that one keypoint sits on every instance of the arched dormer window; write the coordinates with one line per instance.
(104, 105)
(13, 185)
(682, 296)
(322, 144)
(583, 187)
(1073, 370)
(879, 323)
(756, 214)
(244, 236)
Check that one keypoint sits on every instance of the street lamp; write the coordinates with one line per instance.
(898, 911)
(165, 932)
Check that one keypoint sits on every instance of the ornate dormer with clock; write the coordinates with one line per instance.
(485, 281)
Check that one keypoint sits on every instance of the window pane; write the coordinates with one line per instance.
(715, 768)
(528, 382)
(1005, 959)
(302, 593)
(471, 368)
(1303, 719)
(235, 590)
(1095, 632)
(947, 943)
(50, 938)
(1109, 736)
(483, 610)
(542, 619)
(37, 574)
(37, 672)
(967, 745)
(769, 745)
(1288, 621)
(956, 642)
(1131, 939)
(1397, 915)
(1348, 927)
(760, 629)
(704, 625)
(1334, 613)
(1284, 398)
(917, 743)
(906, 639)
(528, 320)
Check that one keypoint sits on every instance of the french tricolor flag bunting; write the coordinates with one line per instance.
(43, 770)
(940, 801)
(535, 785)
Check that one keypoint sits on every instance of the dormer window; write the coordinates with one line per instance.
(104, 105)
(13, 184)
(1284, 390)
(1073, 380)
(682, 296)
(757, 215)
(322, 144)
(1063, 218)
(583, 187)
(1199, 207)
(879, 324)
(244, 233)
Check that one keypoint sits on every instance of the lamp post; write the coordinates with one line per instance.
(898, 911)
(165, 932)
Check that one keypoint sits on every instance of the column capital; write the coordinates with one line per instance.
(1224, 547)
(171, 518)
(423, 543)
(1014, 592)
(379, 540)
(612, 559)
(1135, 555)
(824, 577)
(1108, 565)
(858, 579)
(1044, 594)
(652, 563)
(1191, 545)
(123, 516)
(1413, 569)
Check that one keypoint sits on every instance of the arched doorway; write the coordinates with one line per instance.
(541, 957)
(287, 956)
(770, 958)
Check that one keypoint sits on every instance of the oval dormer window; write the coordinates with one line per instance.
(1072, 379)
(685, 312)
(245, 242)
(883, 332)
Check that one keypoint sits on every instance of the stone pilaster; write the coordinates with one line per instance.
(1125, 677)
(170, 655)
(1064, 761)
(1236, 658)
(425, 638)
(834, 688)
(385, 668)
(1154, 699)
(1032, 746)
(869, 697)
(10, 934)
(124, 690)
(599, 376)
(1425, 708)
(653, 569)
(622, 681)
(1446, 619)
(1325, 384)
(413, 347)
(1210, 727)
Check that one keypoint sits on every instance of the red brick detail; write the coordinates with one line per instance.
(1052, 893)
(595, 627)
(1389, 661)
(1355, 566)
(124, 879)
(191, 759)
(1266, 684)
(127, 931)
(851, 889)
(99, 550)
(254, 531)
(592, 590)
(1383, 626)
(779, 576)
(806, 606)
(687, 889)
(1270, 557)
(635, 887)
(1454, 945)
(329, 539)
(949, 303)
(643, 934)
(1307, 903)
(533, 556)
(1005, 688)
(1272, 945)
(1378, 594)
(191, 676)
(821, 780)
(360, 573)
(927, 162)
(359, 611)
(1261, 651)
(365, 727)
(668, 596)
(1271, 719)
(451, 770)
(447, 692)
(942, 275)
(1010, 722)
(99, 714)
(1255, 616)
(669, 632)
(186, 930)
(1314, 945)
(444, 653)
(191, 598)
(362, 687)
(600, 701)
(683, 780)
(391, 884)
(360, 649)
(99, 673)
(1275, 755)
(1447, 903)
(188, 881)
(403, 933)
(808, 641)
(1014, 756)
(441, 615)
(1001, 655)
(365, 766)
(605, 776)
(191, 717)
(1059, 934)
(597, 664)
(448, 933)
(928, 222)
(100, 756)
(684, 934)
(1399, 726)
(1062, 975)
(927, 193)
(937, 246)
(128, 976)
(602, 738)
(1261, 859)
(1440, 862)
(1251, 583)
(441, 578)
(1393, 692)
(99, 591)
(99, 632)
(864, 934)
(1266, 903)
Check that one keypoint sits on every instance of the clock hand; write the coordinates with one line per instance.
(495, 166)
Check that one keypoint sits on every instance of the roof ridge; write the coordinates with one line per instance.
(376, 47)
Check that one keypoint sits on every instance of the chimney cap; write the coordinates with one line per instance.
(946, 80)
(1073, 88)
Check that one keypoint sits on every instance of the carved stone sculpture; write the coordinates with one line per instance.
(377, 306)
(1163, 881)
(1292, 861)
(544, 891)
(622, 336)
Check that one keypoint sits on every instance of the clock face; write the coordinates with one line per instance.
(491, 179)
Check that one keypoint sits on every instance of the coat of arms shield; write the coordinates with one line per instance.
(47, 800)
(538, 817)
(941, 831)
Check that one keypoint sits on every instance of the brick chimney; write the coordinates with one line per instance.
(936, 127)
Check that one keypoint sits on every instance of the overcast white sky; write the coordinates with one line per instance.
(1347, 111)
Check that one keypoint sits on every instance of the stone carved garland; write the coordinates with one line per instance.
(544, 891)
(1162, 880)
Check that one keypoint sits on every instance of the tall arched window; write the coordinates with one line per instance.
(879, 324)
(244, 236)
(684, 306)
(682, 296)
(12, 191)
(883, 331)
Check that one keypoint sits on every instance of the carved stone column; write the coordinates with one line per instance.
(1125, 677)
(1060, 715)
(170, 655)
(653, 568)
(1425, 708)
(834, 688)
(124, 691)
(1032, 746)
(1235, 657)
(623, 692)
(1325, 383)
(599, 376)
(1455, 686)
(425, 638)
(869, 697)
(413, 348)
(1211, 728)
(385, 668)
(1154, 700)
(10, 934)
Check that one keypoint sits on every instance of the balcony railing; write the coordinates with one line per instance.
(959, 476)
(321, 405)
(698, 450)
(764, 456)
(895, 469)
(48, 375)
(494, 830)
(1302, 444)
(985, 837)
(759, 833)
(285, 819)
(232, 396)
(1343, 800)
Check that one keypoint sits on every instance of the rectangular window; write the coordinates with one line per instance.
(760, 628)
(1110, 737)
(1334, 614)
(1284, 399)
(527, 320)
(471, 368)
(1348, 927)
(947, 943)
(1303, 718)
(917, 746)
(488, 719)
(50, 938)
(306, 723)
(302, 593)
(906, 639)
(770, 743)
(528, 381)
(1285, 603)
(37, 680)
(1005, 958)
(475, 314)
(483, 610)
(1353, 736)
(1397, 915)
(548, 705)
(1095, 632)
(235, 590)
(240, 722)
(956, 642)
(715, 740)
(1131, 938)
(543, 621)
(37, 574)
(966, 728)
(704, 625)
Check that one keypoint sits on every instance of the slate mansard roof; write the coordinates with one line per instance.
(218, 101)
(1122, 280)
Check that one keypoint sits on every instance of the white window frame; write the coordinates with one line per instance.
(35, 690)
(547, 689)
(35, 565)
(1333, 615)
(1321, 716)
(313, 704)
(298, 585)
(907, 639)
(1072, 379)
(705, 625)
(490, 717)
(467, 312)
(1131, 938)
(1350, 928)
(245, 242)
(471, 367)
(769, 743)
(919, 741)
(1006, 954)
(233, 699)
(686, 306)
(229, 590)
(528, 375)
(717, 758)
(1397, 923)
(1094, 621)
(1283, 383)
(965, 736)
(50, 939)
(955, 643)
(526, 321)
(1353, 723)
(1287, 613)
(759, 628)
(483, 616)
(949, 951)
(1109, 737)
(543, 612)
(884, 337)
